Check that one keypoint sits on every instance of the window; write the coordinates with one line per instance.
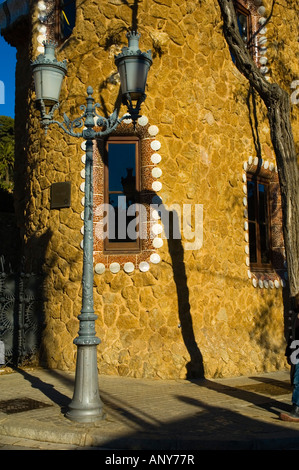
(244, 20)
(65, 18)
(123, 175)
(258, 198)
(122, 189)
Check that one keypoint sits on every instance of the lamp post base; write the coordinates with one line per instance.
(86, 405)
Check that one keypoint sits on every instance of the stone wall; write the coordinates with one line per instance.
(193, 309)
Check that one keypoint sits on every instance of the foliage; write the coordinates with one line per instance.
(7, 145)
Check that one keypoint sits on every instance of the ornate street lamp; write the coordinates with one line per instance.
(133, 66)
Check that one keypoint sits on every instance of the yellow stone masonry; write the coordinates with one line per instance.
(197, 311)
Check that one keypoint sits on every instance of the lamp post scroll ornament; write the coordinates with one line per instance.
(133, 66)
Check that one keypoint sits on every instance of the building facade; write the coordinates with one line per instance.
(199, 288)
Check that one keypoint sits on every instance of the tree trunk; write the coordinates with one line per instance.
(277, 102)
(286, 159)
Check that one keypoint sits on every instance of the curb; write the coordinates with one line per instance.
(110, 441)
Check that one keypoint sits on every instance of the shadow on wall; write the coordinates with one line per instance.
(10, 240)
(195, 367)
(172, 229)
(57, 267)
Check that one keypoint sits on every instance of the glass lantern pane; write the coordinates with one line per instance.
(48, 84)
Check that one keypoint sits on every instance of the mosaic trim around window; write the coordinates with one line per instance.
(149, 194)
(277, 276)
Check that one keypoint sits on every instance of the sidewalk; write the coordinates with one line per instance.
(232, 414)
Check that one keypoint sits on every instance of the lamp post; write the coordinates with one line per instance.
(133, 66)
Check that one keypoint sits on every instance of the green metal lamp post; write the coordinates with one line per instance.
(133, 66)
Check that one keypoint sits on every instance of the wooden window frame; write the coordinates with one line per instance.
(122, 247)
(259, 265)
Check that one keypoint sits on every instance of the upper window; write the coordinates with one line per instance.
(122, 189)
(259, 223)
(244, 24)
(65, 18)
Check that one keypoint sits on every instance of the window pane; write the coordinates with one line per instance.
(262, 203)
(263, 223)
(243, 26)
(68, 17)
(244, 23)
(122, 227)
(122, 168)
(252, 243)
(122, 192)
(258, 218)
(265, 251)
(251, 200)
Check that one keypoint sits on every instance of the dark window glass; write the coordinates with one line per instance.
(122, 185)
(262, 203)
(122, 167)
(252, 243)
(251, 200)
(264, 223)
(243, 25)
(259, 223)
(65, 18)
(68, 17)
